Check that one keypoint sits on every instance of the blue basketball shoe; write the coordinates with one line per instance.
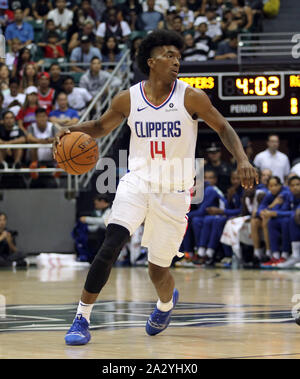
(158, 320)
(79, 333)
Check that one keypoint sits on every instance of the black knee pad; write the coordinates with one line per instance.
(115, 238)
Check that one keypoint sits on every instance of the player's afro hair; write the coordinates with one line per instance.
(155, 39)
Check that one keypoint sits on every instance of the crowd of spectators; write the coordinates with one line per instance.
(90, 35)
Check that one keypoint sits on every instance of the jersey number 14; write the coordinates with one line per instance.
(155, 150)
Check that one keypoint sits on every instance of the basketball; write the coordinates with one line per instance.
(77, 153)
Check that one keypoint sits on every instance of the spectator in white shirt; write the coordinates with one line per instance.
(15, 100)
(62, 17)
(273, 159)
(113, 27)
(78, 98)
(214, 26)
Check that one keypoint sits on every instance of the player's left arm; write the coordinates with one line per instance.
(198, 104)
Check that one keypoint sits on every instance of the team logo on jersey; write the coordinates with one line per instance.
(128, 314)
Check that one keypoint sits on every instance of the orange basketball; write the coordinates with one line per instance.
(77, 153)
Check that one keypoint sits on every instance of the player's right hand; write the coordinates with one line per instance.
(57, 139)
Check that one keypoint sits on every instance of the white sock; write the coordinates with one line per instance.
(165, 307)
(210, 252)
(276, 255)
(296, 249)
(258, 253)
(268, 253)
(85, 310)
(285, 254)
(201, 252)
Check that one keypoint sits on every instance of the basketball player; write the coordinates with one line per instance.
(162, 113)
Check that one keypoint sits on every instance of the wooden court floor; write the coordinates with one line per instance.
(221, 314)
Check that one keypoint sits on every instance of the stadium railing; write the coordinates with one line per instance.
(100, 103)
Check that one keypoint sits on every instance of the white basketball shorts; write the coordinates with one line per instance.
(163, 214)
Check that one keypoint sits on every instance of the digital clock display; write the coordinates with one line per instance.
(251, 87)
(251, 96)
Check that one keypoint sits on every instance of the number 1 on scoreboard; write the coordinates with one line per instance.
(155, 150)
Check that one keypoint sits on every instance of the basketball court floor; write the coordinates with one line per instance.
(221, 314)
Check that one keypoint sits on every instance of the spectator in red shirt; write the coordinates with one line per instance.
(52, 48)
(26, 115)
(46, 94)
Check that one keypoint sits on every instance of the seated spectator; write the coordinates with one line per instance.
(30, 76)
(214, 26)
(21, 4)
(86, 30)
(273, 159)
(8, 248)
(4, 78)
(56, 79)
(78, 98)
(214, 222)
(41, 8)
(213, 197)
(83, 13)
(186, 14)
(150, 19)
(21, 60)
(14, 100)
(167, 22)
(227, 49)
(178, 26)
(259, 226)
(223, 169)
(294, 225)
(99, 7)
(62, 17)
(283, 221)
(131, 9)
(8, 132)
(111, 52)
(113, 27)
(110, 4)
(95, 227)
(63, 115)
(26, 115)
(202, 36)
(53, 48)
(275, 200)
(160, 6)
(195, 51)
(41, 131)
(20, 29)
(11, 55)
(244, 13)
(49, 29)
(95, 78)
(230, 25)
(46, 94)
(84, 54)
(198, 7)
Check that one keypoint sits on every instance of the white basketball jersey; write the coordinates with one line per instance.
(163, 138)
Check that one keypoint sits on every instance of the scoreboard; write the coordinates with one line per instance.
(251, 96)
